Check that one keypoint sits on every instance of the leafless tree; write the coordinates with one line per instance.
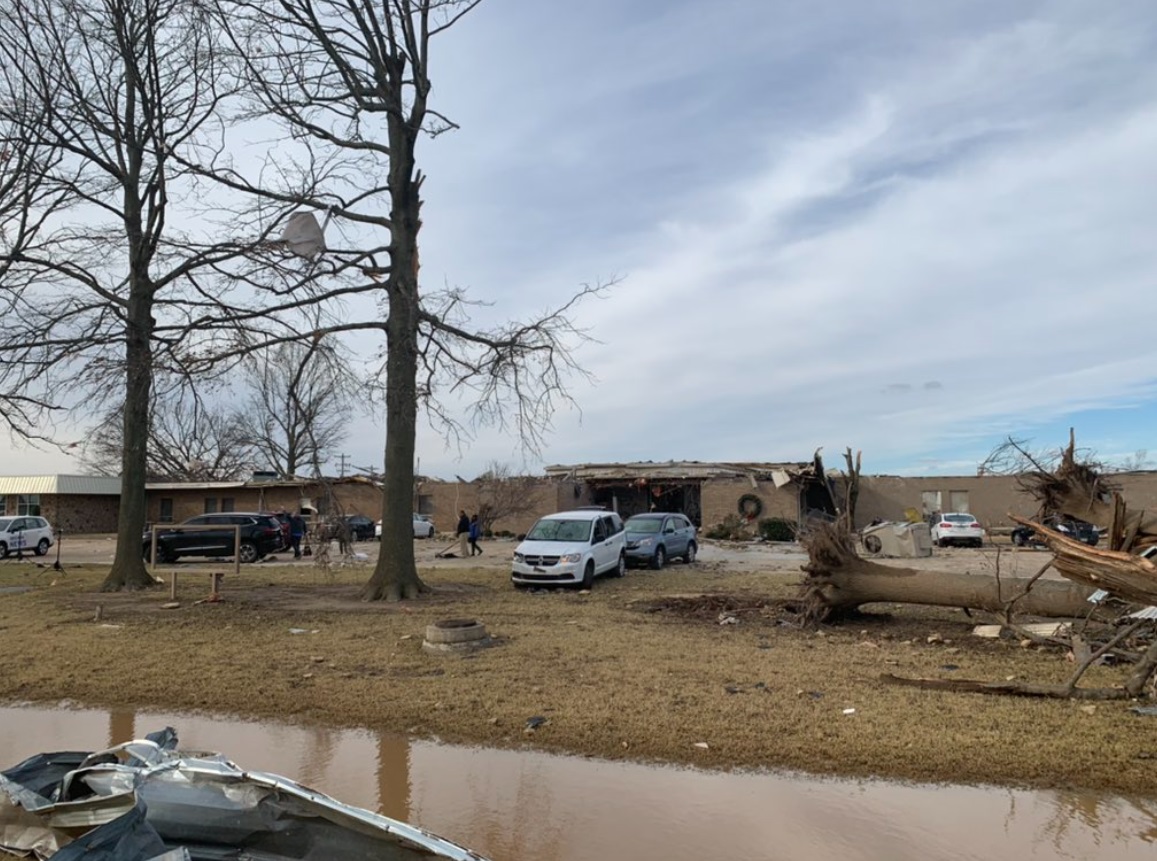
(299, 405)
(189, 440)
(350, 80)
(503, 495)
(108, 272)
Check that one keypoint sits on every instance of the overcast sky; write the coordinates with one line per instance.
(912, 228)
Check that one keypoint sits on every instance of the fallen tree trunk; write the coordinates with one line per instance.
(1122, 574)
(1019, 689)
(839, 581)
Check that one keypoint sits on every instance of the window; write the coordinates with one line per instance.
(227, 504)
(958, 500)
(425, 503)
(166, 510)
(28, 504)
(600, 532)
(930, 500)
(210, 505)
(3, 506)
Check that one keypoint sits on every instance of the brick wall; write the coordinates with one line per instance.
(720, 499)
(990, 498)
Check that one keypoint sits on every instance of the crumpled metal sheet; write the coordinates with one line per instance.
(144, 801)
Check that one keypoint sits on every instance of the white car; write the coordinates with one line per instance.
(571, 547)
(423, 527)
(25, 535)
(963, 529)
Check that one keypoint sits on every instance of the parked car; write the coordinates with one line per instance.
(423, 527)
(654, 538)
(571, 547)
(24, 535)
(260, 536)
(957, 528)
(1022, 536)
(361, 527)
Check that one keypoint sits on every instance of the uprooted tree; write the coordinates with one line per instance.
(1084, 490)
(838, 580)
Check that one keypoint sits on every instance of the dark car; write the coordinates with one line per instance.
(1084, 532)
(361, 527)
(260, 536)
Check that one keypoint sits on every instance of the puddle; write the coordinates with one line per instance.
(527, 806)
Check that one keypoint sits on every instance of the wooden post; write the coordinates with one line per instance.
(173, 585)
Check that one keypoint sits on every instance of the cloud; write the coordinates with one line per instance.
(909, 229)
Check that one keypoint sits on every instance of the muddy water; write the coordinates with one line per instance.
(525, 806)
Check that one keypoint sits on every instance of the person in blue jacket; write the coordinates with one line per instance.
(475, 534)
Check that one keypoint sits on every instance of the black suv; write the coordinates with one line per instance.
(260, 536)
(1086, 533)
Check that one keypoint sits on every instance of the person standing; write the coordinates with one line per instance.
(475, 533)
(296, 533)
(463, 533)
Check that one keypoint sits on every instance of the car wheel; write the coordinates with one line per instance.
(620, 570)
(3, 550)
(42, 547)
(943, 542)
(248, 552)
(589, 574)
(689, 556)
(659, 559)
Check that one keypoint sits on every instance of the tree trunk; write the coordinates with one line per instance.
(395, 577)
(863, 582)
(1123, 574)
(839, 581)
(128, 567)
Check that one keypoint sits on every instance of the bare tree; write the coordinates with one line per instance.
(503, 495)
(107, 95)
(114, 108)
(350, 80)
(299, 405)
(189, 440)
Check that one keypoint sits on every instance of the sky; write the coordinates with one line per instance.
(909, 228)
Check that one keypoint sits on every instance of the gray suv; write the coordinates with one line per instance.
(654, 538)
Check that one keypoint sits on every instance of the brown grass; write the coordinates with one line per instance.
(633, 670)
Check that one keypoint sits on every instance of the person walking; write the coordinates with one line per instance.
(463, 533)
(475, 533)
(296, 533)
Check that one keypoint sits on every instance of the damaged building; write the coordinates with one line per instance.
(706, 492)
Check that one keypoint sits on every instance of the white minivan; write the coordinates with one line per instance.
(571, 548)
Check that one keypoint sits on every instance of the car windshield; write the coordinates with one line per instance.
(645, 525)
(5, 523)
(560, 530)
(960, 518)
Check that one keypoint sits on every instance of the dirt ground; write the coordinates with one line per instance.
(692, 664)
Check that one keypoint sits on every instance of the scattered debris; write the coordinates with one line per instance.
(533, 723)
(139, 799)
(702, 745)
(1144, 711)
(849, 711)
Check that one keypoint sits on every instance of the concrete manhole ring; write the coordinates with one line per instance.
(455, 635)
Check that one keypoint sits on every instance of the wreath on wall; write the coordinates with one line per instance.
(750, 506)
